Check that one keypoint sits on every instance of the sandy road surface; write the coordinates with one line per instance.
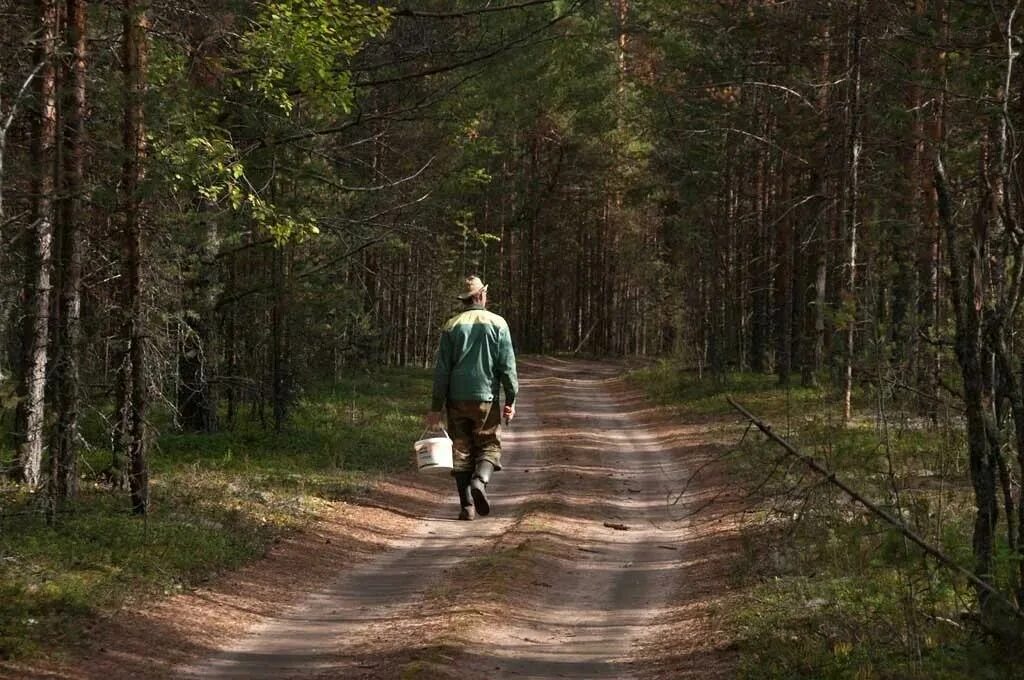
(607, 543)
(364, 623)
(580, 504)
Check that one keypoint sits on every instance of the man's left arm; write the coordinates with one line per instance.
(506, 366)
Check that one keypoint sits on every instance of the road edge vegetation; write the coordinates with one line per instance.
(218, 502)
(823, 589)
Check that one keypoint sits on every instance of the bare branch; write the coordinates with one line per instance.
(17, 99)
(744, 133)
(407, 12)
(501, 49)
(379, 187)
(5, 126)
(909, 533)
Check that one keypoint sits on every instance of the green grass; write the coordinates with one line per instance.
(218, 500)
(823, 590)
(665, 383)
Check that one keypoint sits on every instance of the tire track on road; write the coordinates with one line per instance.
(577, 511)
(375, 616)
(609, 571)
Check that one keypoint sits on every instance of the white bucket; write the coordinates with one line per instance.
(434, 454)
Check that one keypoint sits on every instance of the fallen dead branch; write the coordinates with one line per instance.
(911, 535)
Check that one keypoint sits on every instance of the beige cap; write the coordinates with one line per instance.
(473, 285)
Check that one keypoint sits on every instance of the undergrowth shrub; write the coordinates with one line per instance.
(218, 500)
(825, 589)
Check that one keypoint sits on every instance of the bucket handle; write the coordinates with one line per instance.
(428, 430)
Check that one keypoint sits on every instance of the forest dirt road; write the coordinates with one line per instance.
(585, 569)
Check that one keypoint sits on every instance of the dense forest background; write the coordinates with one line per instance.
(209, 207)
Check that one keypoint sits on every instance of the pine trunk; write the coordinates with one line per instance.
(965, 260)
(66, 375)
(134, 64)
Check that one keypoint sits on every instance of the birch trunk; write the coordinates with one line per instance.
(29, 419)
(853, 210)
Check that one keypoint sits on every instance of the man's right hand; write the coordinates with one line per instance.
(432, 420)
(509, 413)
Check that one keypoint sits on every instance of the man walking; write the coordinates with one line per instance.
(475, 361)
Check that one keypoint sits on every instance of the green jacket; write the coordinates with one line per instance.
(475, 359)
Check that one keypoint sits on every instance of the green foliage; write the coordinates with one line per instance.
(304, 46)
(853, 628)
(8, 396)
(218, 500)
(209, 141)
(56, 579)
(667, 383)
(826, 591)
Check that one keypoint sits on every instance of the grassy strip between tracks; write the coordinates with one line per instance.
(218, 500)
(823, 590)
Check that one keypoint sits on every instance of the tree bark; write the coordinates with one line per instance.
(907, 228)
(134, 63)
(68, 353)
(278, 358)
(853, 211)
(932, 256)
(197, 408)
(823, 219)
(29, 419)
(231, 343)
(965, 295)
(784, 253)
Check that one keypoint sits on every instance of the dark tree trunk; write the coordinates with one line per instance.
(965, 278)
(760, 332)
(196, 411)
(231, 344)
(66, 375)
(134, 62)
(822, 217)
(906, 312)
(197, 408)
(932, 258)
(852, 216)
(784, 251)
(278, 356)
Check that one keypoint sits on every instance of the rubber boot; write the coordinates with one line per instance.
(465, 497)
(478, 487)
